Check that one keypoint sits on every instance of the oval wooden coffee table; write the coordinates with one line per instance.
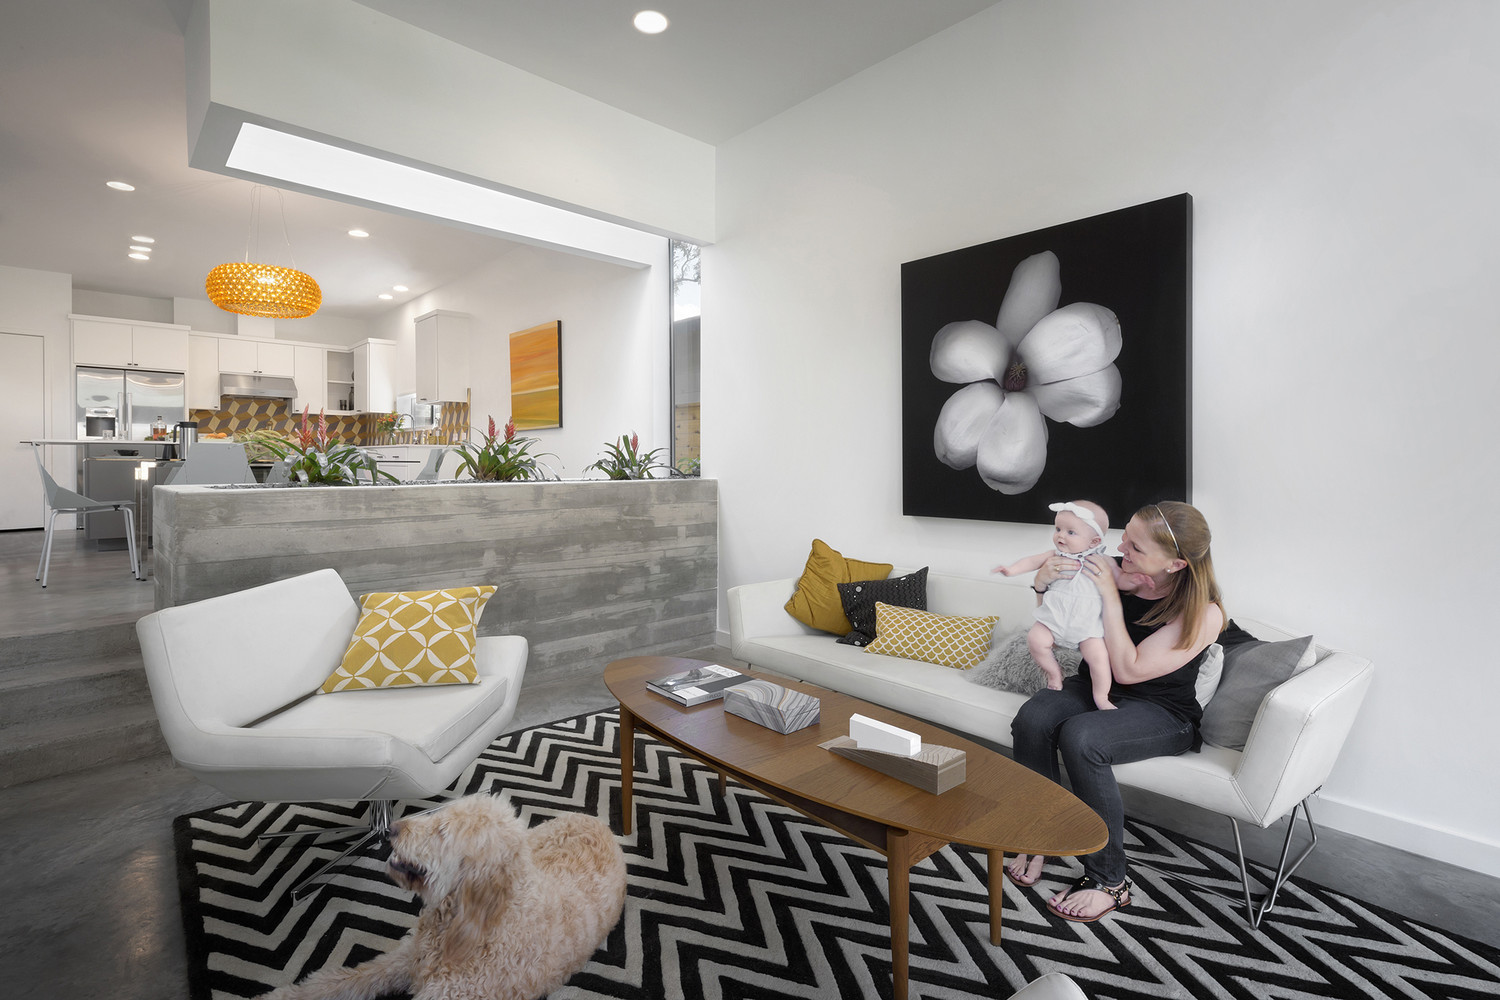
(1000, 807)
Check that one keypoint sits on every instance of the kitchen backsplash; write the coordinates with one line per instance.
(241, 415)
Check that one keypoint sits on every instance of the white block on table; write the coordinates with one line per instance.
(871, 734)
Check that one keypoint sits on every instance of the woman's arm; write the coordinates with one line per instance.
(1156, 656)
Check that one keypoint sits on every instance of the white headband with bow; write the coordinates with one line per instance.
(1082, 513)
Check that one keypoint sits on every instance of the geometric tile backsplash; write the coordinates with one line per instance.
(241, 414)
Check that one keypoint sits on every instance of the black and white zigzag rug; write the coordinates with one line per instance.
(735, 896)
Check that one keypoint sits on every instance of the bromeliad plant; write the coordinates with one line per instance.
(321, 460)
(623, 459)
(505, 458)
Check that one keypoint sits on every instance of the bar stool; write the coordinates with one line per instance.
(61, 501)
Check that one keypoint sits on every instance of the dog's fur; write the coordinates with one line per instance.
(508, 913)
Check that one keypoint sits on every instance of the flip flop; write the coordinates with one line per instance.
(1027, 883)
(1120, 894)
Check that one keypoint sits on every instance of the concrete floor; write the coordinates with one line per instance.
(89, 885)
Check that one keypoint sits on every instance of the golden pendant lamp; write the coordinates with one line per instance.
(263, 289)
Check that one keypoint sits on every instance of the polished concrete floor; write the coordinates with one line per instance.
(88, 878)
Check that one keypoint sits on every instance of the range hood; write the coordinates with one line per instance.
(257, 386)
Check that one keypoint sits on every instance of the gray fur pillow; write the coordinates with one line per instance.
(1009, 667)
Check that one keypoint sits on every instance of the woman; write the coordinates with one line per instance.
(1159, 618)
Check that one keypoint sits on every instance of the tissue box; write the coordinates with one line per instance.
(773, 706)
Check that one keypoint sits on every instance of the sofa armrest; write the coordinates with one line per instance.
(1298, 733)
(758, 610)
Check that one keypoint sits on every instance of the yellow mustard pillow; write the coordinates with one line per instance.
(922, 635)
(816, 602)
(417, 637)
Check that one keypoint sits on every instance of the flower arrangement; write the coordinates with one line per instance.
(387, 423)
(322, 461)
(505, 458)
(624, 459)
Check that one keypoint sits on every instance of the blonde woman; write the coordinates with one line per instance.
(1159, 617)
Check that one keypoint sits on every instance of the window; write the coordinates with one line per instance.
(686, 285)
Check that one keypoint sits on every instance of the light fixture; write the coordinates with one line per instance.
(400, 288)
(359, 234)
(650, 22)
(263, 289)
(386, 295)
(139, 256)
(141, 249)
(119, 185)
(143, 239)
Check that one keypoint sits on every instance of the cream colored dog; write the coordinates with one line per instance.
(508, 913)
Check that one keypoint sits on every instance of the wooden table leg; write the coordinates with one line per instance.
(898, 873)
(997, 892)
(627, 767)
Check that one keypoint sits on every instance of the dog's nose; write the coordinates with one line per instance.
(396, 829)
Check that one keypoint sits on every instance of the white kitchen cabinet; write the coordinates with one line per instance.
(122, 344)
(203, 372)
(442, 356)
(374, 376)
(340, 382)
(309, 366)
(256, 357)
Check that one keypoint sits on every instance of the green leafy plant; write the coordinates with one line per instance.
(506, 458)
(322, 461)
(623, 459)
(689, 467)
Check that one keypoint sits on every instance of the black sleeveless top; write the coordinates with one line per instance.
(1177, 691)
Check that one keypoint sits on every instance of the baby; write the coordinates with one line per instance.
(1071, 614)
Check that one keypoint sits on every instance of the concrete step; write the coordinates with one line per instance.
(22, 652)
(60, 689)
(52, 747)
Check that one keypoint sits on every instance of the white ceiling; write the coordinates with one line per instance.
(94, 90)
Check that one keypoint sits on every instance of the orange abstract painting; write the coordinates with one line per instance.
(536, 377)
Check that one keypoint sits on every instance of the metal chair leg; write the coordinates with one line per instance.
(45, 563)
(1256, 908)
(377, 828)
(135, 560)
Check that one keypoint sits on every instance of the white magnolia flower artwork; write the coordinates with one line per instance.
(1039, 362)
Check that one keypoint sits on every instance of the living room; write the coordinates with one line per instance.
(1339, 156)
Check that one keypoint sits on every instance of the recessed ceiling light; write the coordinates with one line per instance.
(119, 185)
(358, 234)
(139, 256)
(386, 295)
(143, 239)
(141, 249)
(650, 22)
(400, 288)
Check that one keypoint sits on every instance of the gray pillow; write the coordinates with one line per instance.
(1009, 667)
(1251, 671)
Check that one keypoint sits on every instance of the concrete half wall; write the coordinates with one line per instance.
(587, 571)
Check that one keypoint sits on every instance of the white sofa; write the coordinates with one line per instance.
(1296, 737)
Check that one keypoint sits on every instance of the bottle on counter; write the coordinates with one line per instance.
(158, 429)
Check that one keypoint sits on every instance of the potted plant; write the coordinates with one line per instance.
(387, 423)
(505, 458)
(624, 459)
(322, 461)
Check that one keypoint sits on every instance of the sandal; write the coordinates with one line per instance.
(1023, 880)
(1120, 894)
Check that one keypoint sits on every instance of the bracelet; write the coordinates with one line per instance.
(1035, 591)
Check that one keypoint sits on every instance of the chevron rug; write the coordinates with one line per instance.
(734, 896)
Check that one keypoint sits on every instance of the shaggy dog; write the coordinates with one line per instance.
(508, 913)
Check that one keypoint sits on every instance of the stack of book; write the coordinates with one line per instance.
(694, 687)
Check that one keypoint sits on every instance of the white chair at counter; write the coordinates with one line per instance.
(245, 716)
(211, 463)
(61, 501)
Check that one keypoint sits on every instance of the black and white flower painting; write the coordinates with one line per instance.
(1049, 366)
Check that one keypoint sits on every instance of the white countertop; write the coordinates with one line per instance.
(112, 442)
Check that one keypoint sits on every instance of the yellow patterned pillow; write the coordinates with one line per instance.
(922, 635)
(418, 637)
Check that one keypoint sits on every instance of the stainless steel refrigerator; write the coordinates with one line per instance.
(128, 400)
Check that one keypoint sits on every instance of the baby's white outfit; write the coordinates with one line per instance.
(1072, 608)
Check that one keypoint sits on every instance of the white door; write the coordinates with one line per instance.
(21, 409)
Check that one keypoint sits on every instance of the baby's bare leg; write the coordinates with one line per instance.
(1100, 676)
(1040, 639)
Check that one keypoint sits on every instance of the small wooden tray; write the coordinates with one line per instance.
(934, 769)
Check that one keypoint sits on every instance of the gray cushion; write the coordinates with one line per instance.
(1009, 667)
(1251, 671)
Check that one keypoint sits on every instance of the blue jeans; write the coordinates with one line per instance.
(1090, 742)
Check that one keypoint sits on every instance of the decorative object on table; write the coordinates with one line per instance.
(1090, 398)
(872, 734)
(773, 706)
(932, 768)
(696, 686)
(506, 458)
(536, 377)
(322, 461)
(387, 423)
(624, 459)
(263, 289)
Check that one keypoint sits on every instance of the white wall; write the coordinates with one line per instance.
(1341, 158)
(614, 345)
(38, 302)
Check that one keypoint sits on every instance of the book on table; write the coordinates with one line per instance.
(696, 686)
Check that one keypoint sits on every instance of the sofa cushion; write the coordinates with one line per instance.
(816, 601)
(920, 635)
(1010, 667)
(860, 597)
(1251, 670)
(412, 638)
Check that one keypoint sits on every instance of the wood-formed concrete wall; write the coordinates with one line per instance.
(586, 571)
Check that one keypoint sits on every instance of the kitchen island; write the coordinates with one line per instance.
(587, 571)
